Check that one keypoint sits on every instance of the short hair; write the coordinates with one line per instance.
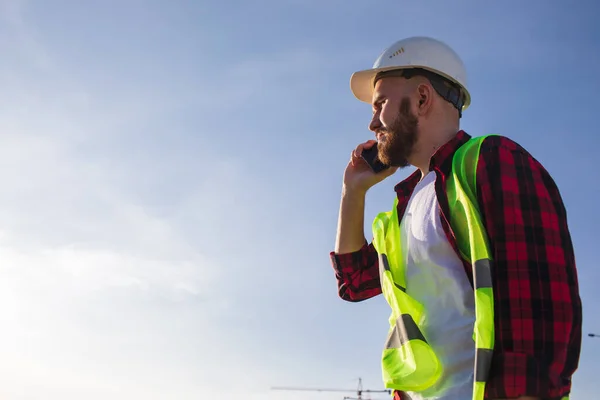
(447, 89)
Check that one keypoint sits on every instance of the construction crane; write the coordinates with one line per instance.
(359, 391)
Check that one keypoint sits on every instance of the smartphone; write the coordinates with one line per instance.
(370, 156)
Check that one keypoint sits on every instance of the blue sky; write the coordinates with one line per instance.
(171, 174)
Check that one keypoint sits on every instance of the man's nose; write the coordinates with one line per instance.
(375, 124)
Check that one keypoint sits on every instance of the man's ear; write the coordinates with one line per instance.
(425, 98)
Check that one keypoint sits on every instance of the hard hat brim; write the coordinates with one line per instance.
(362, 83)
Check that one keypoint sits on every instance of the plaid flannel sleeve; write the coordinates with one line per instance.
(357, 273)
(537, 305)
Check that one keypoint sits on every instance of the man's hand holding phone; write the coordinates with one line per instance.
(364, 169)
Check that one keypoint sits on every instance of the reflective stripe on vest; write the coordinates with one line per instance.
(408, 362)
(472, 241)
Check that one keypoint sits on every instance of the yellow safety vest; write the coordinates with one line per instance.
(408, 361)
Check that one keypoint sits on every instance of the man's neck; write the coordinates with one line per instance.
(429, 146)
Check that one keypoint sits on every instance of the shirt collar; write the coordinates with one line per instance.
(441, 160)
(444, 154)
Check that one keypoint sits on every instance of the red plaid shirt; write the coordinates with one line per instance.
(537, 304)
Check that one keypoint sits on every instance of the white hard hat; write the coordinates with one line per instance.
(414, 52)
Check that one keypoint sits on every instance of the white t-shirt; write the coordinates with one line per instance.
(435, 276)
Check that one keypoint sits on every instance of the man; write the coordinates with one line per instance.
(506, 324)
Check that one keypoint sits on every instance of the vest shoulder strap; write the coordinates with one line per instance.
(461, 191)
(464, 166)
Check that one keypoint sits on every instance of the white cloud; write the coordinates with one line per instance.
(101, 296)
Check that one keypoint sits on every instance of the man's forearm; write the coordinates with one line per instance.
(350, 232)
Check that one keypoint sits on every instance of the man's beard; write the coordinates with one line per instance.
(400, 137)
